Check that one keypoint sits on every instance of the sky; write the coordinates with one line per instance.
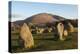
(21, 10)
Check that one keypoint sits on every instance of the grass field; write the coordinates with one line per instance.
(45, 42)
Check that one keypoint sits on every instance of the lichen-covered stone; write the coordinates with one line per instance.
(26, 35)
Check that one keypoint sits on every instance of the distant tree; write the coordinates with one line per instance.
(49, 24)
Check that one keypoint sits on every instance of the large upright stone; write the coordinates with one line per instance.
(62, 31)
(26, 35)
(71, 27)
(60, 28)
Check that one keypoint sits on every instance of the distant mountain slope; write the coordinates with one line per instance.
(41, 18)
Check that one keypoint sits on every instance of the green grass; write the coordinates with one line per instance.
(46, 42)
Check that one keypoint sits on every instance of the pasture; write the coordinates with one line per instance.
(45, 42)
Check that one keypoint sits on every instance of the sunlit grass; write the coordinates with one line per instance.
(46, 42)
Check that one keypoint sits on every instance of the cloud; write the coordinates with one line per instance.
(16, 16)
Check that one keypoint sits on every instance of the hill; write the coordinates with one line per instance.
(41, 18)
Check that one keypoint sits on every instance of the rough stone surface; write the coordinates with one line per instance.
(26, 36)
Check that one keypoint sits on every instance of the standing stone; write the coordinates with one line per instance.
(71, 28)
(27, 37)
(60, 28)
(65, 33)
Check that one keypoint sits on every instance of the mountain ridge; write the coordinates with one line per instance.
(41, 18)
